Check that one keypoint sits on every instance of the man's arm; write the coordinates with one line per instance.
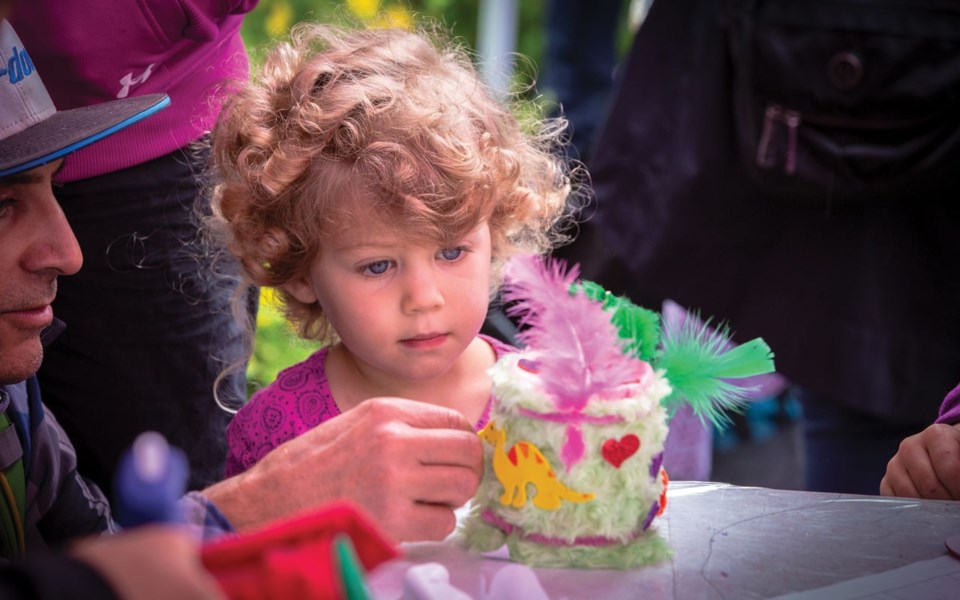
(149, 563)
(407, 464)
(156, 562)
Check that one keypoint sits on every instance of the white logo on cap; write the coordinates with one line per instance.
(18, 67)
(128, 80)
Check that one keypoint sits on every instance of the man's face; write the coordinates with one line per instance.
(36, 245)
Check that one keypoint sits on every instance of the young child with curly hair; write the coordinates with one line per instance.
(372, 179)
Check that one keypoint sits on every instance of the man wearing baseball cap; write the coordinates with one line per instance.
(44, 502)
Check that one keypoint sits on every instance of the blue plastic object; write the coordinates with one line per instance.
(150, 479)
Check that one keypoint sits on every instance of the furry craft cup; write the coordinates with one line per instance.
(573, 450)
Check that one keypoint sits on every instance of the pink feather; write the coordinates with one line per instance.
(582, 353)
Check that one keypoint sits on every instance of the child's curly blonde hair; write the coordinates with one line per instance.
(340, 121)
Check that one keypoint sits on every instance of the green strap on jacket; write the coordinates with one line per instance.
(12, 500)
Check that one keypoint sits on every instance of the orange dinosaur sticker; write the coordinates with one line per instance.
(523, 464)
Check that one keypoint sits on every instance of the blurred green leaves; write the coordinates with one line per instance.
(276, 347)
(273, 19)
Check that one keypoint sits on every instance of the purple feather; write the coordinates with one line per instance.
(582, 353)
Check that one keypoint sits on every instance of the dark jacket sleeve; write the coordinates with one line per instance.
(61, 503)
(52, 578)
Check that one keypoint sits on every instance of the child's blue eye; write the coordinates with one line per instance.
(376, 268)
(452, 254)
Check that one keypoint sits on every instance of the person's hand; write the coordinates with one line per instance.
(927, 465)
(150, 562)
(407, 464)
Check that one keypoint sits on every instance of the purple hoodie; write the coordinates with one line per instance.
(950, 409)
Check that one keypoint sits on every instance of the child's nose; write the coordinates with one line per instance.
(422, 290)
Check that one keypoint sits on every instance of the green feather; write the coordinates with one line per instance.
(746, 360)
(638, 327)
(697, 366)
(694, 356)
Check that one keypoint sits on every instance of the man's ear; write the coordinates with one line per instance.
(300, 289)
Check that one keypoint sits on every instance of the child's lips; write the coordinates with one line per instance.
(425, 341)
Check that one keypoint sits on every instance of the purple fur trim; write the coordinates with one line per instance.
(653, 513)
(571, 417)
(497, 521)
(655, 465)
(596, 541)
(588, 540)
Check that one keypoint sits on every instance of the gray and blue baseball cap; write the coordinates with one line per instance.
(33, 132)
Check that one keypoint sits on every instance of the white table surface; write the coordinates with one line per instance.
(728, 542)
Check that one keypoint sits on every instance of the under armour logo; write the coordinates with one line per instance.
(129, 80)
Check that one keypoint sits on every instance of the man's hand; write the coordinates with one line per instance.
(151, 562)
(407, 464)
(926, 466)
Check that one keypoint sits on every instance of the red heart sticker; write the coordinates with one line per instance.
(615, 452)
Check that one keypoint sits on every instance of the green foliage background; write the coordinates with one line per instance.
(273, 18)
(276, 346)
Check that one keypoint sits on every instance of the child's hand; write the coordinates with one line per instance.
(407, 464)
(926, 466)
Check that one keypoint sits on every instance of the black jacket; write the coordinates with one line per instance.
(855, 288)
